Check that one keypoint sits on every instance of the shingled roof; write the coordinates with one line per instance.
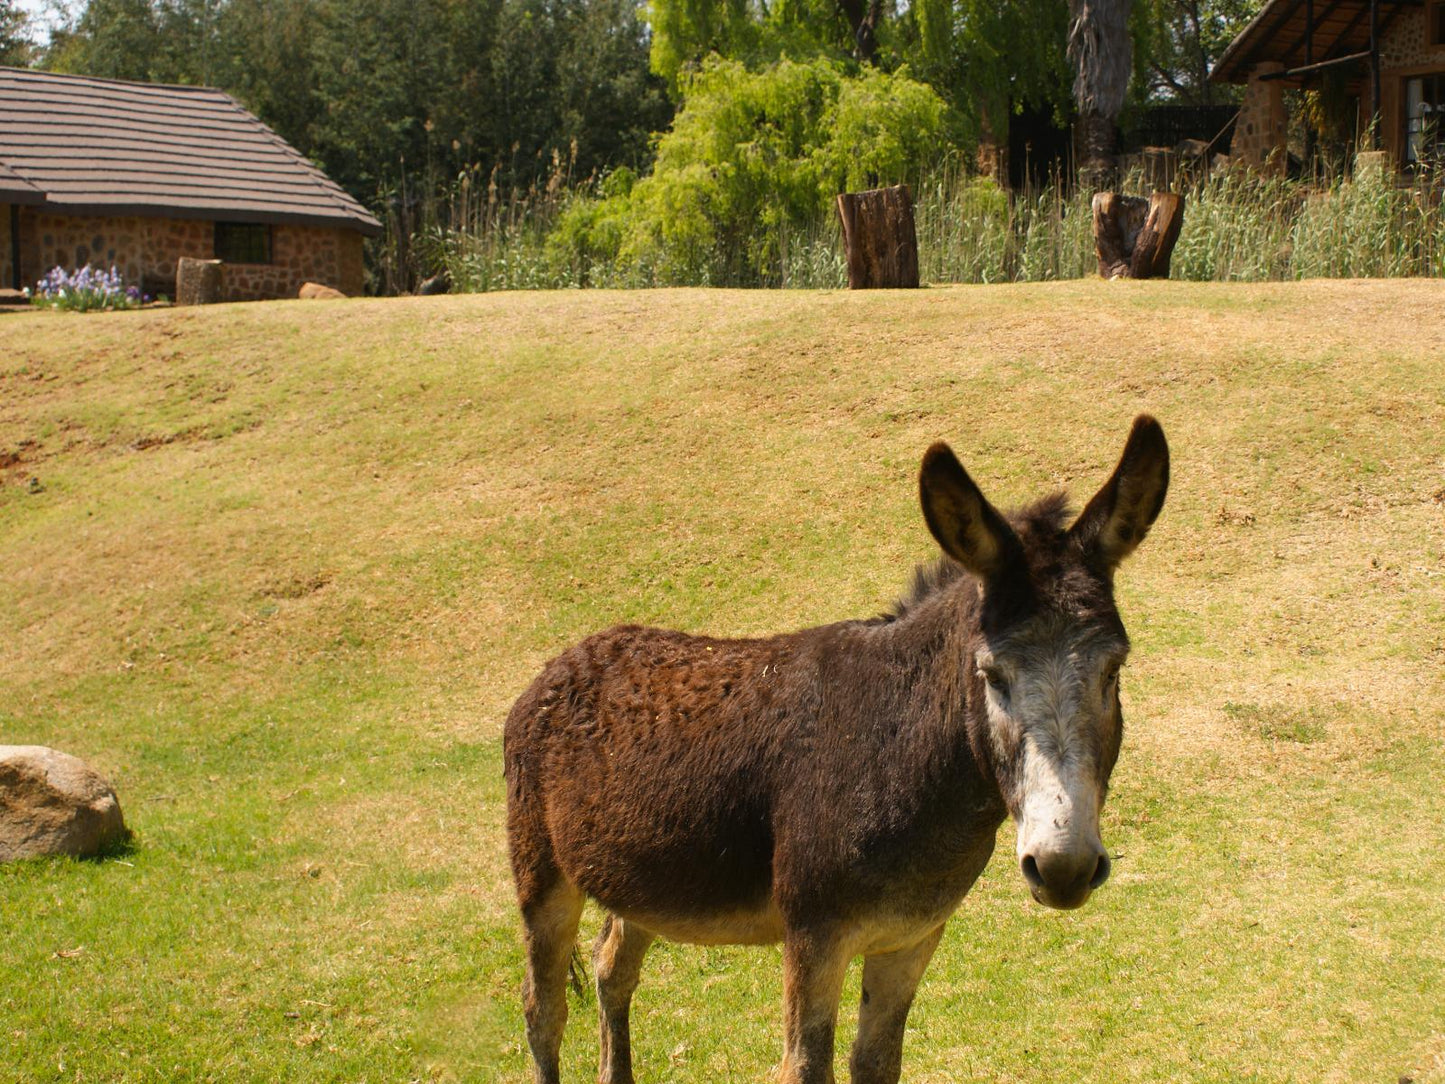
(1281, 32)
(102, 147)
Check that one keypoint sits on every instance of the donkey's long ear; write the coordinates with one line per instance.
(968, 528)
(1117, 519)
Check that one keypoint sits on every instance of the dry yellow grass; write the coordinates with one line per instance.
(286, 565)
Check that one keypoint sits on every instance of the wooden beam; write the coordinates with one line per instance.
(1375, 74)
(1308, 40)
(1286, 13)
(1350, 28)
(1319, 65)
(1324, 16)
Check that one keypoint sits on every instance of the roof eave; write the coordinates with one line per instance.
(367, 227)
(1226, 68)
(26, 197)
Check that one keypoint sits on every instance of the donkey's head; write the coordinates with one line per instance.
(1045, 660)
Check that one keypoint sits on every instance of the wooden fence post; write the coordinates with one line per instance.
(879, 238)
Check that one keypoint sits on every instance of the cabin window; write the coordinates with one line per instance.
(243, 242)
(1424, 112)
(1435, 22)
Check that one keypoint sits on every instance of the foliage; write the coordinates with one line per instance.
(988, 57)
(373, 89)
(1237, 227)
(752, 156)
(87, 290)
(16, 47)
(1178, 42)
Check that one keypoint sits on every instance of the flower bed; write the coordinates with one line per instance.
(86, 290)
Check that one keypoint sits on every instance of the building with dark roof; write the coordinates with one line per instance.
(137, 175)
(1385, 58)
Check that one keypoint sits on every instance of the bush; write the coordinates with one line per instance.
(751, 157)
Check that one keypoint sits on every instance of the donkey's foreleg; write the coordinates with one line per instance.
(814, 965)
(617, 962)
(889, 981)
(550, 920)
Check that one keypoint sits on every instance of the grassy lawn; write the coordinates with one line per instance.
(283, 568)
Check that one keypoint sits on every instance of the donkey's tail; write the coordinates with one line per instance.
(577, 971)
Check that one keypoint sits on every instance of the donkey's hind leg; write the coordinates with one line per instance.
(617, 961)
(550, 919)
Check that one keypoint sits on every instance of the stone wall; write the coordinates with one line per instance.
(299, 254)
(1262, 127)
(1403, 44)
(145, 250)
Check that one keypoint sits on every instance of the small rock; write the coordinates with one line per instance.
(314, 291)
(54, 803)
(34, 486)
(440, 283)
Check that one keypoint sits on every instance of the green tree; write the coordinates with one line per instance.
(609, 102)
(991, 57)
(16, 47)
(752, 156)
(1180, 41)
(112, 39)
(264, 54)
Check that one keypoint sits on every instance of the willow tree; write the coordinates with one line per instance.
(1102, 53)
(990, 58)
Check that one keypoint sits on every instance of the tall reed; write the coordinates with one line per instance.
(1238, 226)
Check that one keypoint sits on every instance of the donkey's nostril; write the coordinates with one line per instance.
(1031, 871)
(1101, 871)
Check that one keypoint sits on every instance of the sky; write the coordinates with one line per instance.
(41, 12)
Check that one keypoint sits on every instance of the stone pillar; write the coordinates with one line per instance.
(1372, 167)
(1260, 133)
(199, 282)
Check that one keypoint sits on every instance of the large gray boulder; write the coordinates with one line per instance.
(54, 803)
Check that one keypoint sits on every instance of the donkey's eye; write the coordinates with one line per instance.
(996, 681)
(1111, 678)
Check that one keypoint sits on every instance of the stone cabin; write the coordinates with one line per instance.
(137, 175)
(1387, 56)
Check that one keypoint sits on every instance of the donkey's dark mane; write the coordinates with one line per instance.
(1044, 519)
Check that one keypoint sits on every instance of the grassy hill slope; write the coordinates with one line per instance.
(282, 568)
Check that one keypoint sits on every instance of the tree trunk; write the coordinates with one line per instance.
(1135, 237)
(1096, 145)
(879, 238)
(992, 158)
(863, 17)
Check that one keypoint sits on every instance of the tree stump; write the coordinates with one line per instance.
(879, 238)
(1134, 236)
(198, 282)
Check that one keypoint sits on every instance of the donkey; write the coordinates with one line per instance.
(837, 789)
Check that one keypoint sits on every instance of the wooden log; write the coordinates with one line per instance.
(198, 282)
(1115, 231)
(1134, 237)
(879, 238)
(1150, 259)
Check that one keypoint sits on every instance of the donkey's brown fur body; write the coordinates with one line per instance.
(838, 788)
